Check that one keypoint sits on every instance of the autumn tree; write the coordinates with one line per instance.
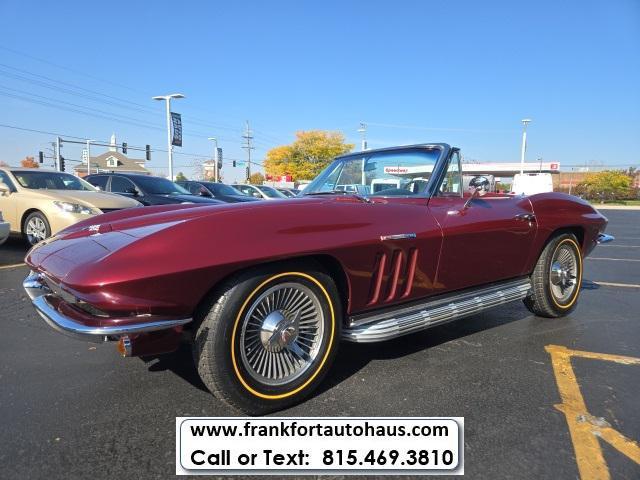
(307, 156)
(29, 162)
(606, 185)
(256, 178)
(180, 177)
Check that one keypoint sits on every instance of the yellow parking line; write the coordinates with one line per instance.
(621, 285)
(15, 265)
(584, 428)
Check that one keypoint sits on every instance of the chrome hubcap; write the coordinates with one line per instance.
(563, 273)
(36, 230)
(281, 333)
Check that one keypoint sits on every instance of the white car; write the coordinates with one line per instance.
(4, 230)
(260, 191)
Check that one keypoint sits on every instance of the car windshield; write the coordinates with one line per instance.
(160, 186)
(271, 192)
(222, 189)
(396, 172)
(51, 181)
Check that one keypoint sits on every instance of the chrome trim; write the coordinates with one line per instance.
(39, 292)
(399, 236)
(605, 238)
(379, 327)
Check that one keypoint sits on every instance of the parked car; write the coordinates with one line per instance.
(266, 294)
(5, 229)
(39, 203)
(263, 192)
(146, 189)
(288, 192)
(219, 191)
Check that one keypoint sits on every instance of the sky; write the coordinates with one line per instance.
(460, 72)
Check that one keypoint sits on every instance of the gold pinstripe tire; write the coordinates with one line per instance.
(556, 278)
(268, 336)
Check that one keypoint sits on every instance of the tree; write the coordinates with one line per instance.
(29, 162)
(180, 177)
(606, 185)
(307, 156)
(256, 178)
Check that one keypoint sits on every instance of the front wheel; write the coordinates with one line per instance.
(269, 337)
(36, 228)
(556, 278)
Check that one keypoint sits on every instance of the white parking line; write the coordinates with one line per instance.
(15, 265)
(622, 285)
(620, 246)
(614, 259)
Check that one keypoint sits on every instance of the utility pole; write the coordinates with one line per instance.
(525, 121)
(215, 158)
(57, 153)
(248, 136)
(167, 99)
(363, 132)
(89, 157)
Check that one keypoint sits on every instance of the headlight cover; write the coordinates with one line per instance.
(69, 207)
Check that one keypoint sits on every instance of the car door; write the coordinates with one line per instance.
(486, 238)
(8, 202)
(124, 186)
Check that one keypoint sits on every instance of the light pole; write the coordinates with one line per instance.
(363, 132)
(215, 158)
(525, 121)
(167, 99)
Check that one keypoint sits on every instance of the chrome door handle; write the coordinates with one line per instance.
(526, 217)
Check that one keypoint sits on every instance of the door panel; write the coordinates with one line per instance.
(485, 242)
(8, 203)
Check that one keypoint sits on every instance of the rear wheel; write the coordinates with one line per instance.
(36, 228)
(269, 337)
(556, 279)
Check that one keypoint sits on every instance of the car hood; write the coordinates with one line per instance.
(86, 197)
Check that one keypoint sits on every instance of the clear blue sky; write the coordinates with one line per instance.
(465, 72)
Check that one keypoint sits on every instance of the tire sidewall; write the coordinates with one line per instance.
(232, 376)
(552, 248)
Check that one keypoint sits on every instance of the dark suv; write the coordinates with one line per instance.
(219, 191)
(145, 189)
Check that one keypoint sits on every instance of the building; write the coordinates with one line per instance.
(112, 161)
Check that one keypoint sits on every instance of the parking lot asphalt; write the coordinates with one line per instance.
(75, 410)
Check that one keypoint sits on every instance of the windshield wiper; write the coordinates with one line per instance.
(340, 192)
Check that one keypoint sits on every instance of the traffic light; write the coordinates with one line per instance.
(148, 152)
(124, 148)
(234, 163)
(61, 163)
(40, 157)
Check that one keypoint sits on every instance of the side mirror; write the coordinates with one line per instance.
(4, 189)
(256, 194)
(97, 188)
(204, 193)
(474, 195)
(132, 191)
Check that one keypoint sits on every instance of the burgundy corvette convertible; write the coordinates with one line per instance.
(383, 243)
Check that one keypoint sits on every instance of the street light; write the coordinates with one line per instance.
(525, 121)
(167, 99)
(215, 158)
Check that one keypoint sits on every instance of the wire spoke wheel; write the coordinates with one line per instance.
(563, 273)
(36, 230)
(281, 333)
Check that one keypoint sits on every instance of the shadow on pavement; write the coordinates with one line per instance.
(13, 251)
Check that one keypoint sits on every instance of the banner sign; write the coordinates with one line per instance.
(176, 123)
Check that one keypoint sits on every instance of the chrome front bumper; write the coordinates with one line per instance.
(604, 238)
(41, 295)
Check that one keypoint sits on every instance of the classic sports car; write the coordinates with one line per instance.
(265, 291)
